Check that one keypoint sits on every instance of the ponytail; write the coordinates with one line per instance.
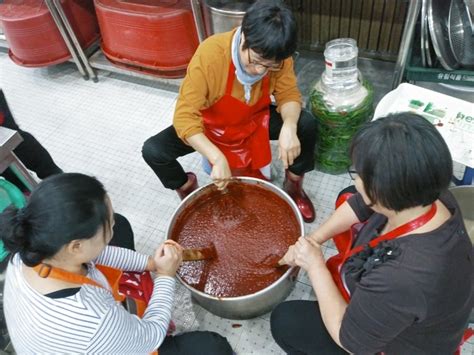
(62, 208)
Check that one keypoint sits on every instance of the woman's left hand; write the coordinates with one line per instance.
(308, 254)
(289, 146)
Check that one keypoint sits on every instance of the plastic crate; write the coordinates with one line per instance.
(414, 71)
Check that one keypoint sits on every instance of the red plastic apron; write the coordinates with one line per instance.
(346, 240)
(239, 130)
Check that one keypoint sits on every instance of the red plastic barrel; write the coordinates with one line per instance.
(155, 36)
(32, 35)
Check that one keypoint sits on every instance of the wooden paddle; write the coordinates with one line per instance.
(200, 253)
(195, 254)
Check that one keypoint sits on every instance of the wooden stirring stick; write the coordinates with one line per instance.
(200, 253)
(194, 254)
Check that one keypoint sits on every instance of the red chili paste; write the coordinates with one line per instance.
(251, 228)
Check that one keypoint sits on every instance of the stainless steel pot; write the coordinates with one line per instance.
(223, 15)
(256, 304)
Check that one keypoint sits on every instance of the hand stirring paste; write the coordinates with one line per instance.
(251, 228)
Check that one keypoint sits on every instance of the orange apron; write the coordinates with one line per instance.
(113, 276)
(239, 130)
(346, 240)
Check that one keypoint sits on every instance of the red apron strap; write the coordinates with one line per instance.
(403, 229)
(336, 262)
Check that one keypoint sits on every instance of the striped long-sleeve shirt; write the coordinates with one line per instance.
(90, 321)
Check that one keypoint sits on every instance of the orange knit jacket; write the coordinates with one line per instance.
(206, 80)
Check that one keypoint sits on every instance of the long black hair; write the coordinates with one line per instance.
(270, 30)
(403, 161)
(62, 208)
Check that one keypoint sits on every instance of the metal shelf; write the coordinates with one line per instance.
(99, 61)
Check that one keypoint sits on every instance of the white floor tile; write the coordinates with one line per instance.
(99, 129)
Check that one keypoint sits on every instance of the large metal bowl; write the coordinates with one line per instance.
(256, 304)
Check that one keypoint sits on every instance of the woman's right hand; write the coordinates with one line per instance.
(221, 173)
(289, 258)
(168, 258)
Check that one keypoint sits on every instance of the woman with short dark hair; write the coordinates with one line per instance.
(270, 30)
(225, 112)
(403, 280)
(59, 295)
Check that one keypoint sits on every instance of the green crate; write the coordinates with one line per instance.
(9, 194)
(415, 72)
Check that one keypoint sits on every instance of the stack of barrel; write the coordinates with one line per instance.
(34, 39)
(156, 37)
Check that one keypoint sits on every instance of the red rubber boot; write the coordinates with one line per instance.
(182, 193)
(294, 187)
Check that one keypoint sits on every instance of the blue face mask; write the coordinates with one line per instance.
(243, 77)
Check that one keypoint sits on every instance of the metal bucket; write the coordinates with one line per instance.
(256, 304)
(224, 15)
(464, 196)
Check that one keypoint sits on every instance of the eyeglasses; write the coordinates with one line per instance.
(352, 173)
(272, 67)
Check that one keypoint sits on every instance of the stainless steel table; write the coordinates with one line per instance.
(9, 140)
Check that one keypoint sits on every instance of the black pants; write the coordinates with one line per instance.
(208, 343)
(123, 234)
(161, 151)
(298, 329)
(31, 153)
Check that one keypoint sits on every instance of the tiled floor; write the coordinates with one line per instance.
(99, 128)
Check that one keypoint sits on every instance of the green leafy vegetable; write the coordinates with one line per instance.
(337, 129)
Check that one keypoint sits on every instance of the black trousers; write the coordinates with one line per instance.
(161, 151)
(298, 329)
(123, 234)
(31, 153)
(191, 343)
(208, 343)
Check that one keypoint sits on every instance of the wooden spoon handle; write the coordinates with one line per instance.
(200, 253)
(192, 255)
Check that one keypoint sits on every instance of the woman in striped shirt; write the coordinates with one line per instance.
(68, 224)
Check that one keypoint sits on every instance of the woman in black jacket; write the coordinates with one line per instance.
(405, 285)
